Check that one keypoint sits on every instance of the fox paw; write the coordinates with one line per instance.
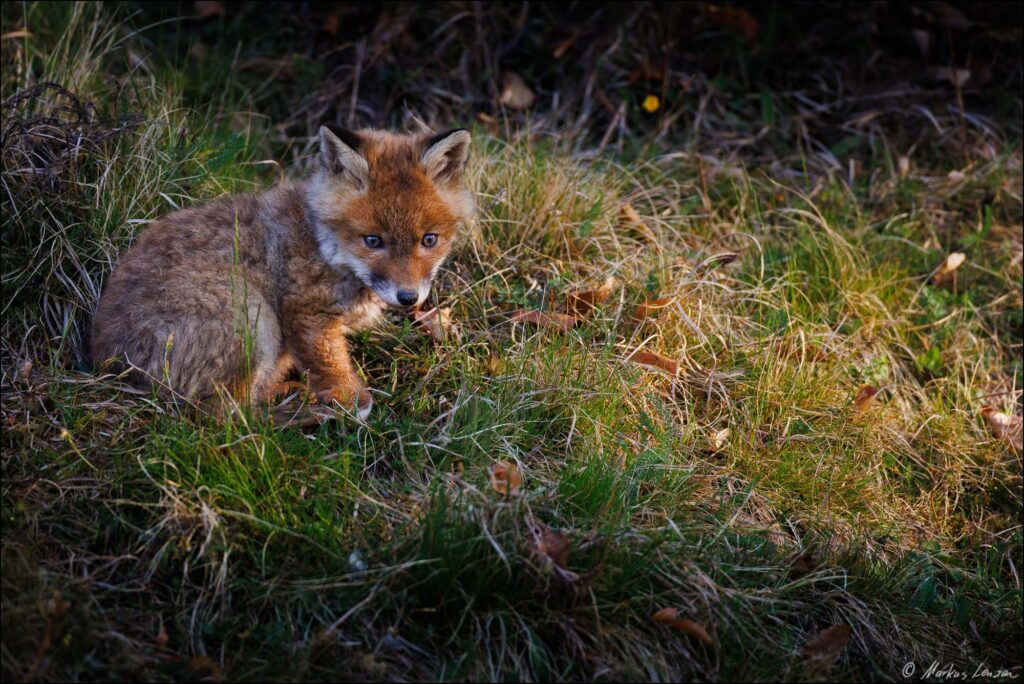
(360, 402)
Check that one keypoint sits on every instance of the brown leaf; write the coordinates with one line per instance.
(562, 46)
(543, 319)
(515, 94)
(487, 120)
(161, 637)
(719, 260)
(646, 72)
(204, 669)
(737, 20)
(822, 650)
(1005, 427)
(208, 8)
(652, 307)
(505, 477)
(556, 546)
(435, 323)
(670, 617)
(330, 23)
(582, 303)
(718, 439)
(864, 397)
(494, 365)
(946, 269)
(629, 218)
(656, 360)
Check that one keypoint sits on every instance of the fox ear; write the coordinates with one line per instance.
(444, 155)
(340, 156)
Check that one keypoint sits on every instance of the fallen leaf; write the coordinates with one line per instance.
(505, 477)
(435, 323)
(208, 8)
(515, 94)
(719, 260)
(1004, 426)
(652, 307)
(717, 439)
(822, 650)
(904, 165)
(646, 72)
(656, 360)
(945, 270)
(737, 20)
(670, 617)
(161, 637)
(543, 319)
(204, 669)
(487, 120)
(582, 303)
(562, 46)
(865, 395)
(651, 104)
(330, 23)
(556, 546)
(494, 365)
(629, 218)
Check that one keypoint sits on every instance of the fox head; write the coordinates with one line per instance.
(388, 206)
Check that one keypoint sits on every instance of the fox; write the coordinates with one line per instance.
(235, 294)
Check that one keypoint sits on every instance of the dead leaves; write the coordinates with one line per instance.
(515, 94)
(208, 8)
(657, 360)
(735, 19)
(670, 617)
(948, 267)
(582, 303)
(1008, 428)
(865, 396)
(554, 546)
(506, 478)
(651, 307)
(822, 650)
(630, 219)
(578, 305)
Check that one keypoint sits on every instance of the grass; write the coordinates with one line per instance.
(143, 541)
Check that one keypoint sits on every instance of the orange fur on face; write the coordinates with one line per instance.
(400, 204)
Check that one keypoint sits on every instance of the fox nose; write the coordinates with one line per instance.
(407, 297)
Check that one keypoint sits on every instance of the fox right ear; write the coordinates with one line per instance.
(339, 155)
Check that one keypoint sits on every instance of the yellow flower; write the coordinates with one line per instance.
(651, 103)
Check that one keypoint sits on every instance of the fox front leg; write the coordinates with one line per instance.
(323, 351)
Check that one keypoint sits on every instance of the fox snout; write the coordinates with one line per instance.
(399, 294)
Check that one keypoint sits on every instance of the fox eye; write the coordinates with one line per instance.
(429, 240)
(373, 241)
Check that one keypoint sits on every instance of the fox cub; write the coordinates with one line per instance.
(236, 293)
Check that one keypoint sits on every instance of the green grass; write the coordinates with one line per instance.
(139, 536)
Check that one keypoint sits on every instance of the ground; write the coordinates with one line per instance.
(752, 434)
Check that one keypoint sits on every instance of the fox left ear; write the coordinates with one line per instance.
(444, 155)
(339, 152)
